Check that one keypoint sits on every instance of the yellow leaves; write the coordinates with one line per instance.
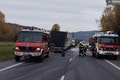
(6, 33)
(2, 17)
(110, 19)
(56, 27)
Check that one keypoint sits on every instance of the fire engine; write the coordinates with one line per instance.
(32, 43)
(105, 44)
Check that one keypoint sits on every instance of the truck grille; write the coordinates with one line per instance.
(109, 49)
(27, 48)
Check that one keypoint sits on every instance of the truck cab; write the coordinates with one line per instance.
(32, 43)
(106, 44)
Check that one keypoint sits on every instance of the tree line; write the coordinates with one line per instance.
(110, 20)
(9, 31)
(6, 33)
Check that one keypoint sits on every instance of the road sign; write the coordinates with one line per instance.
(112, 2)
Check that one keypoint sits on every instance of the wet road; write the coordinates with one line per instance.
(70, 67)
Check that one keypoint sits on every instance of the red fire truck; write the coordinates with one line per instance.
(106, 44)
(32, 43)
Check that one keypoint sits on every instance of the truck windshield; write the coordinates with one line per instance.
(108, 40)
(33, 37)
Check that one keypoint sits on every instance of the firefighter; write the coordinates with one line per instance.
(81, 50)
(63, 53)
(84, 50)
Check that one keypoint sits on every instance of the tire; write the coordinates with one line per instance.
(93, 54)
(47, 55)
(17, 58)
(40, 58)
(115, 57)
(98, 56)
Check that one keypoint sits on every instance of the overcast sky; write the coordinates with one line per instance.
(72, 15)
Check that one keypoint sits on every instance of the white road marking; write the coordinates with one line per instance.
(113, 64)
(62, 78)
(70, 59)
(9, 67)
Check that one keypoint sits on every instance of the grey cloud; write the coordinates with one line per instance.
(74, 13)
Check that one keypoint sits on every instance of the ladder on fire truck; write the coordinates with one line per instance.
(34, 29)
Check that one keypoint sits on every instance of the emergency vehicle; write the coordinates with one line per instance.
(32, 43)
(106, 44)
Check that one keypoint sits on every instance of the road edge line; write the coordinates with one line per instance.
(9, 67)
(113, 64)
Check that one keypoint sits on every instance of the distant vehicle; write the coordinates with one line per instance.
(57, 41)
(91, 44)
(32, 43)
(105, 44)
(73, 42)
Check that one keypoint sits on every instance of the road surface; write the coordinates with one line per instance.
(70, 67)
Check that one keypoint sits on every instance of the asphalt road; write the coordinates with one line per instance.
(70, 67)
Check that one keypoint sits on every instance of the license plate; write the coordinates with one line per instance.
(25, 54)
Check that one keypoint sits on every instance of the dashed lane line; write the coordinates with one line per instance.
(9, 67)
(62, 78)
(70, 59)
(113, 64)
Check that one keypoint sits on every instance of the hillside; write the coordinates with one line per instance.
(84, 35)
(19, 27)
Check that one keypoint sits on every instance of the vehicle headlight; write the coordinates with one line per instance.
(101, 52)
(17, 48)
(117, 52)
(38, 49)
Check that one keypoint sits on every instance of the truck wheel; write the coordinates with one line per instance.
(93, 54)
(98, 56)
(40, 59)
(17, 58)
(47, 55)
(115, 57)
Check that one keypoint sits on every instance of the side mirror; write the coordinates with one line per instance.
(15, 38)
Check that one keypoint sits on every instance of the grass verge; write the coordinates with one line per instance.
(6, 50)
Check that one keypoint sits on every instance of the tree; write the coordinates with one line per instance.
(56, 27)
(111, 19)
(2, 17)
(6, 33)
(107, 20)
(117, 19)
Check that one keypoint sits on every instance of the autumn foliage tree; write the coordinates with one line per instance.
(110, 20)
(56, 27)
(6, 33)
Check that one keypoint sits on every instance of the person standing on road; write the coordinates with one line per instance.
(84, 50)
(81, 49)
(63, 53)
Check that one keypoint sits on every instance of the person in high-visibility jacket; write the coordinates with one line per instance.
(81, 49)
